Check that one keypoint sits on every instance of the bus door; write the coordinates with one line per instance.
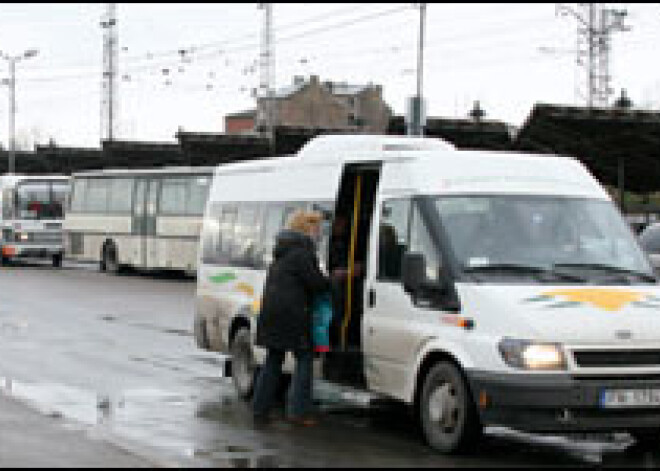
(144, 221)
(349, 244)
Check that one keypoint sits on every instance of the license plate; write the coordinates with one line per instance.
(619, 398)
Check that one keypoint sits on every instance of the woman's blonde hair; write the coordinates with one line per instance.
(304, 221)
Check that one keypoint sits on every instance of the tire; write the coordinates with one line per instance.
(243, 367)
(110, 263)
(57, 260)
(447, 414)
(647, 439)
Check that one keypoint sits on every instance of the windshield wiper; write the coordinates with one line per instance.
(611, 268)
(517, 268)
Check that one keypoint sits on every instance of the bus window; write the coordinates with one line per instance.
(174, 195)
(121, 195)
(198, 194)
(38, 200)
(96, 196)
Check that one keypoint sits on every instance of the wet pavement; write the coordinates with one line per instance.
(115, 356)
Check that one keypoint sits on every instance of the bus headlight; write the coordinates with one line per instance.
(529, 355)
(22, 237)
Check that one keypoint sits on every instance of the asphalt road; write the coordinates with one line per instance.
(116, 355)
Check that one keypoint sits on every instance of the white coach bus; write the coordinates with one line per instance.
(142, 219)
(32, 215)
(498, 288)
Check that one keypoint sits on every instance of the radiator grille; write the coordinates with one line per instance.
(617, 358)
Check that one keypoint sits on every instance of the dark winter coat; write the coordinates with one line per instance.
(293, 280)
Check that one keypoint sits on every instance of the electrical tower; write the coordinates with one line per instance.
(265, 101)
(596, 23)
(109, 81)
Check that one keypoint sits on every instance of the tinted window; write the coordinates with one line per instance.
(273, 220)
(247, 233)
(650, 238)
(421, 242)
(393, 238)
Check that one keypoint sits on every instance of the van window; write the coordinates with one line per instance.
(247, 235)
(393, 238)
(273, 220)
(422, 243)
(227, 239)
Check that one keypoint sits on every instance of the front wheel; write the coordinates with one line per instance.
(57, 260)
(448, 416)
(243, 364)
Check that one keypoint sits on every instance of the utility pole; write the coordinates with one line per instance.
(416, 110)
(595, 25)
(109, 81)
(266, 100)
(11, 82)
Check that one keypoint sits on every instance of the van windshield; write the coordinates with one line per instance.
(545, 233)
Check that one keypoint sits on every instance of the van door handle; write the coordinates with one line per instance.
(372, 298)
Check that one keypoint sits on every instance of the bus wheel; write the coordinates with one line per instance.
(448, 416)
(110, 261)
(242, 364)
(57, 260)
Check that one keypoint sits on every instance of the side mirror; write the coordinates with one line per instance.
(413, 272)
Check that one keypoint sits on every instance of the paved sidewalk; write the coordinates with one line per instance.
(29, 439)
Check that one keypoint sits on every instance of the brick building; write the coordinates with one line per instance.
(320, 105)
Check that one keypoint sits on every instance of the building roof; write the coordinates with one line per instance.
(602, 138)
(246, 114)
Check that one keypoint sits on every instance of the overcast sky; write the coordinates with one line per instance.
(486, 52)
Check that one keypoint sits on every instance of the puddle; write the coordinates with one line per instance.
(159, 419)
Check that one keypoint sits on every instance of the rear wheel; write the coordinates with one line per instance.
(110, 261)
(57, 260)
(243, 364)
(448, 416)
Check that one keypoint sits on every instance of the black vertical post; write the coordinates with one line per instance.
(621, 183)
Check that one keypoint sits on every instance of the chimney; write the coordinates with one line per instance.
(298, 80)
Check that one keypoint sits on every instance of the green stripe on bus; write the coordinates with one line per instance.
(222, 278)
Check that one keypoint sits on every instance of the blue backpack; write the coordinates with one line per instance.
(321, 318)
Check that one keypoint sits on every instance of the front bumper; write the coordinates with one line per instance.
(31, 250)
(558, 402)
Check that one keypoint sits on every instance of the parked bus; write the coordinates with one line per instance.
(142, 219)
(499, 288)
(32, 214)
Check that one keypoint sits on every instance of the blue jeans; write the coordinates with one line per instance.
(299, 401)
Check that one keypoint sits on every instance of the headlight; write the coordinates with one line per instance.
(22, 237)
(529, 355)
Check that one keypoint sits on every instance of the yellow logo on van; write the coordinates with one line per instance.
(601, 298)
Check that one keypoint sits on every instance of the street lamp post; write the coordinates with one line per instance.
(12, 60)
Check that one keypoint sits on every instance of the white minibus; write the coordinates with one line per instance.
(495, 288)
(32, 214)
(143, 219)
